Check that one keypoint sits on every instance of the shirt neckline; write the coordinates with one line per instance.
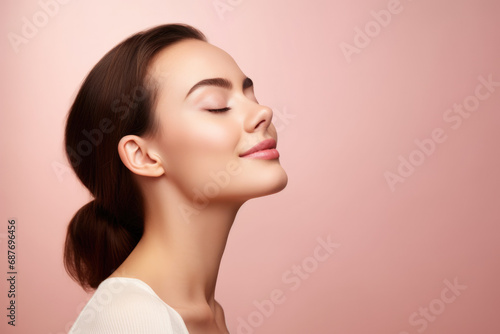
(150, 290)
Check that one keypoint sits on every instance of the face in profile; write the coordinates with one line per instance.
(207, 125)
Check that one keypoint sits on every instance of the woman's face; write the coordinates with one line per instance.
(201, 149)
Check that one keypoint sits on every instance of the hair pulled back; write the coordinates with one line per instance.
(116, 99)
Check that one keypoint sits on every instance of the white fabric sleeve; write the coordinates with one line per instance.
(124, 306)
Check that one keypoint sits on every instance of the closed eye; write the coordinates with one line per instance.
(219, 110)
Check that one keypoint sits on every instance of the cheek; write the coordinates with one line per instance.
(209, 137)
(194, 147)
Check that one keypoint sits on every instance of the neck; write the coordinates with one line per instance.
(181, 249)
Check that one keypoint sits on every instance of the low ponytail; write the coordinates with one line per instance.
(116, 99)
(96, 244)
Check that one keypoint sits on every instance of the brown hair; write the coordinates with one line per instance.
(116, 99)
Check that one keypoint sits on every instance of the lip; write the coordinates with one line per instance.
(266, 149)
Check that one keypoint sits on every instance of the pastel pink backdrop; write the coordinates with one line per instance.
(342, 125)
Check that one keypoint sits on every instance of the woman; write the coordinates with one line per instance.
(167, 135)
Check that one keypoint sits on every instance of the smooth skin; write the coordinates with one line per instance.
(185, 235)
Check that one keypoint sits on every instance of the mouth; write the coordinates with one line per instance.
(266, 149)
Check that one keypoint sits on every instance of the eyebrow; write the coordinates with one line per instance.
(220, 82)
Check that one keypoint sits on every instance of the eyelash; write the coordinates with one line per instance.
(219, 110)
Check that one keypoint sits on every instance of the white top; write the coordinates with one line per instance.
(122, 305)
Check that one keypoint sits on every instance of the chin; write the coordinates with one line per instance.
(280, 183)
(267, 183)
(255, 182)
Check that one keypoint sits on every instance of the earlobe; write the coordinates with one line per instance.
(133, 151)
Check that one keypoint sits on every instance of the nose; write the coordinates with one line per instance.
(259, 118)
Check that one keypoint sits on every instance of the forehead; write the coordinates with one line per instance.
(178, 67)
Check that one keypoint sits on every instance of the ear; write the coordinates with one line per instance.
(138, 157)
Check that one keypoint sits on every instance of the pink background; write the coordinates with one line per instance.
(342, 125)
